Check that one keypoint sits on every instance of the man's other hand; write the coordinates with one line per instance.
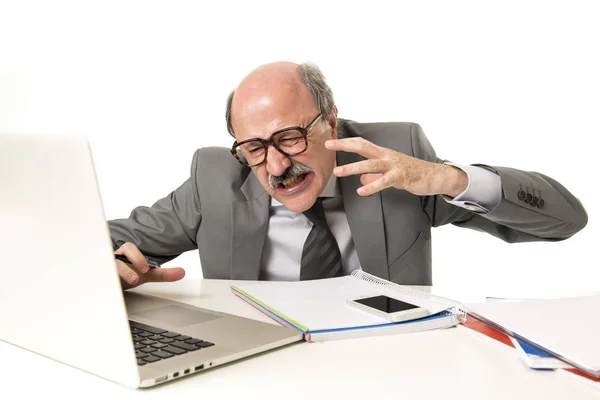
(384, 168)
(138, 272)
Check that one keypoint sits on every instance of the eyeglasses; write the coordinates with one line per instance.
(289, 142)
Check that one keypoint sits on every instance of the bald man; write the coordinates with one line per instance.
(302, 194)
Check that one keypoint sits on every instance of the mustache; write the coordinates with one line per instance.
(294, 170)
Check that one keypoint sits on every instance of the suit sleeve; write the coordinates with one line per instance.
(167, 228)
(560, 216)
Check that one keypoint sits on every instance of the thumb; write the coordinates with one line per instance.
(164, 275)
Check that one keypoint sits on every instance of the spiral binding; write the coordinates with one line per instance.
(454, 306)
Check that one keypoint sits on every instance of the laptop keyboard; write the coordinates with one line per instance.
(154, 344)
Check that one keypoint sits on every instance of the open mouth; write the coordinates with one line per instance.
(291, 182)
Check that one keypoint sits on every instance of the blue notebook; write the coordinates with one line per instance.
(535, 358)
(318, 308)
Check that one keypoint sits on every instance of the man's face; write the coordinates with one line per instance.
(295, 181)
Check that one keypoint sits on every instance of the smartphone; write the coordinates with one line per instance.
(389, 308)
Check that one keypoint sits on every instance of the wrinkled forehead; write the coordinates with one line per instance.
(263, 111)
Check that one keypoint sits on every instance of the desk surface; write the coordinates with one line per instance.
(453, 363)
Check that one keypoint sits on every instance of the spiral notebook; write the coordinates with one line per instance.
(318, 308)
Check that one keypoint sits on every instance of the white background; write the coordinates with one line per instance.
(505, 83)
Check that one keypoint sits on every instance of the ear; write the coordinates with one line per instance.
(333, 122)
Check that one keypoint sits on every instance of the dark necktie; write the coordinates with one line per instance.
(321, 257)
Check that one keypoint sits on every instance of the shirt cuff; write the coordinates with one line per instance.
(483, 192)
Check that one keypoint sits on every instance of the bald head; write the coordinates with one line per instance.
(273, 77)
(272, 91)
(277, 89)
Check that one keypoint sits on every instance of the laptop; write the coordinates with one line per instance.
(60, 293)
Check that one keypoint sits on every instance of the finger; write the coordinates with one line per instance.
(127, 275)
(368, 178)
(355, 145)
(138, 261)
(164, 275)
(361, 167)
(374, 187)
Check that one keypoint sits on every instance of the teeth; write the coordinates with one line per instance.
(292, 181)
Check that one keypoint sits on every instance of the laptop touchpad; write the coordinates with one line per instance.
(176, 315)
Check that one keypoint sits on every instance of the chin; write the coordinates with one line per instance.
(297, 206)
(299, 203)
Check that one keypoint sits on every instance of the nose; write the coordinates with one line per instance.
(277, 163)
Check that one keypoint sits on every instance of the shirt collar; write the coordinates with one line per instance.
(332, 189)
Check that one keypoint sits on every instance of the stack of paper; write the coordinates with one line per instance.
(567, 328)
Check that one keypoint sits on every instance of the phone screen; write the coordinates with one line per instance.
(386, 304)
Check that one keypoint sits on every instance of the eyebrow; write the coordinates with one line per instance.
(277, 131)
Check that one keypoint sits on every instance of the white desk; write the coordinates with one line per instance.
(454, 363)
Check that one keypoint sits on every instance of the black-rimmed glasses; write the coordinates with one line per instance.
(289, 142)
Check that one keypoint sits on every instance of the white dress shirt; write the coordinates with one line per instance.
(288, 230)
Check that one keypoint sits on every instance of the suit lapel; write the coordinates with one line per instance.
(365, 218)
(250, 220)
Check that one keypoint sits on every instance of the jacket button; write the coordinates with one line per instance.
(540, 203)
(534, 201)
(529, 198)
(522, 195)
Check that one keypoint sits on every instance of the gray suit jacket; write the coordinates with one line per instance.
(223, 211)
